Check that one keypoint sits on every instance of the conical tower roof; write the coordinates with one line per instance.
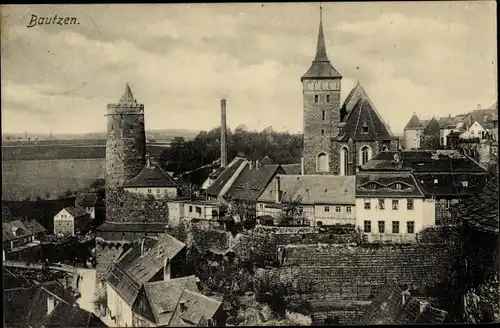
(321, 66)
(432, 126)
(127, 97)
(414, 123)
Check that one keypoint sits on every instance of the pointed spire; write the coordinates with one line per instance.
(127, 97)
(320, 46)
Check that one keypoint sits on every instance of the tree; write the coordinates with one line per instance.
(292, 214)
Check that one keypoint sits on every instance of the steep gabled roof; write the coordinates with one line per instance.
(414, 123)
(34, 226)
(152, 176)
(197, 307)
(432, 127)
(231, 171)
(75, 212)
(364, 124)
(250, 184)
(321, 67)
(20, 229)
(164, 296)
(266, 160)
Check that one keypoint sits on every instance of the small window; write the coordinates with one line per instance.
(395, 226)
(316, 99)
(435, 181)
(327, 98)
(367, 226)
(410, 226)
(149, 191)
(158, 191)
(367, 203)
(190, 209)
(348, 209)
(409, 204)
(322, 132)
(323, 115)
(381, 226)
(365, 128)
(398, 186)
(327, 208)
(337, 209)
(465, 183)
(395, 204)
(448, 203)
(261, 207)
(381, 204)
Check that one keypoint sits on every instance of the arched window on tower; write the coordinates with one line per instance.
(322, 163)
(344, 160)
(384, 148)
(365, 155)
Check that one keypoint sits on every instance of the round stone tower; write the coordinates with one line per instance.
(126, 140)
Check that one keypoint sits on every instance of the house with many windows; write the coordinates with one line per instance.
(321, 199)
(391, 206)
(71, 221)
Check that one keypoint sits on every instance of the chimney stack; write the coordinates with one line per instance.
(223, 134)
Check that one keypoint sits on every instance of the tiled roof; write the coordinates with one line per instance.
(449, 184)
(132, 227)
(151, 176)
(127, 97)
(292, 168)
(321, 66)
(225, 176)
(215, 174)
(363, 118)
(164, 296)
(388, 308)
(424, 161)
(76, 212)
(384, 184)
(414, 123)
(481, 211)
(34, 226)
(446, 121)
(266, 160)
(250, 184)
(198, 306)
(312, 189)
(87, 200)
(357, 93)
(432, 127)
(20, 229)
(143, 268)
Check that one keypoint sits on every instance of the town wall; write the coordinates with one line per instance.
(123, 206)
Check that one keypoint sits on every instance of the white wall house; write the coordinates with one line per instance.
(475, 130)
(323, 199)
(153, 181)
(391, 206)
(192, 209)
(71, 221)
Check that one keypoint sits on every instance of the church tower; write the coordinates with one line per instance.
(321, 101)
(126, 140)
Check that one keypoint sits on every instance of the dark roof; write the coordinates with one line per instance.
(250, 184)
(446, 121)
(388, 308)
(432, 127)
(151, 176)
(266, 160)
(292, 168)
(198, 307)
(424, 161)
(225, 176)
(34, 226)
(88, 200)
(450, 184)
(414, 123)
(363, 116)
(321, 66)
(132, 227)
(481, 211)
(76, 212)
(384, 184)
(164, 296)
(484, 115)
(17, 227)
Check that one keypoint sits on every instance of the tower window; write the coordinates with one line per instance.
(327, 98)
(316, 99)
(322, 132)
(323, 115)
(365, 128)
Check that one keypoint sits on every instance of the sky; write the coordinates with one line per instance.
(432, 58)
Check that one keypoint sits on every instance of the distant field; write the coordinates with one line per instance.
(21, 179)
(73, 151)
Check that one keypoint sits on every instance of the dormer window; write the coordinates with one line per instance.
(364, 129)
(398, 186)
(316, 99)
(465, 183)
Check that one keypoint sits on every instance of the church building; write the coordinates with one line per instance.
(338, 138)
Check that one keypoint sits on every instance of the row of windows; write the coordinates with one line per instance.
(410, 227)
(158, 191)
(198, 209)
(327, 99)
(395, 204)
(338, 209)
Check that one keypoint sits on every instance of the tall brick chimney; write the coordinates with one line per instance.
(223, 134)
